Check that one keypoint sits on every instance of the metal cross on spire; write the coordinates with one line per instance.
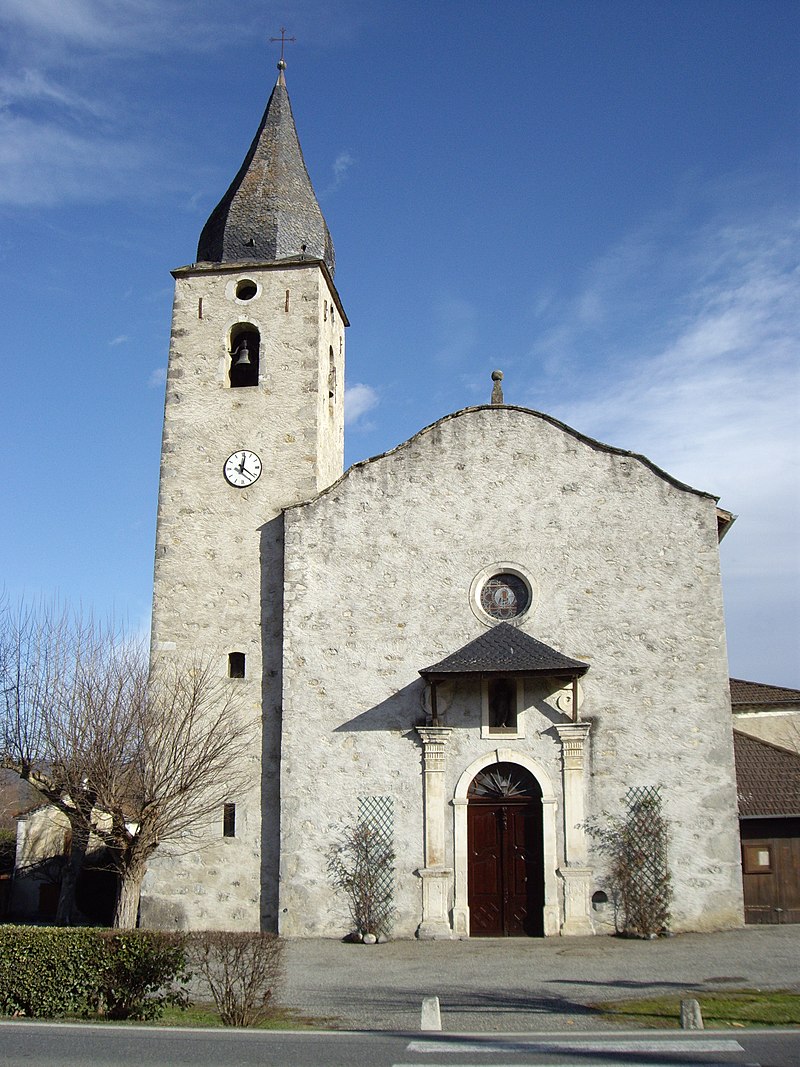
(283, 39)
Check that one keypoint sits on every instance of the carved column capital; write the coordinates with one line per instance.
(573, 743)
(434, 739)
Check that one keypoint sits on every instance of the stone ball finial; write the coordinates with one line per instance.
(497, 389)
(497, 376)
(281, 64)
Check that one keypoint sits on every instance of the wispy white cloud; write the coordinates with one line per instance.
(686, 349)
(341, 165)
(712, 392)
(70, 127)
(44, 164)
(359, 399)
(29, 85)
(85, 21)
(114, 24)
(157, 377)
(120, 340)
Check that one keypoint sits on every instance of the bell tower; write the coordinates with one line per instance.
(253, 422)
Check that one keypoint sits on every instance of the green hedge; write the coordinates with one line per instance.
(47, 972)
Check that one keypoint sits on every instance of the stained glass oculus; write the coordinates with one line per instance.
(505, 596)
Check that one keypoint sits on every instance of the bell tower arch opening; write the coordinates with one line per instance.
(245, 352)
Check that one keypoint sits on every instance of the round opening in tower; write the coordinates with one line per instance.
(246, 289)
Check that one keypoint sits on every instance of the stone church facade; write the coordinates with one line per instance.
(482, 639)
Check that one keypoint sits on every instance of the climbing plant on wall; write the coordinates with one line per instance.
(361, 866)
(637, 847)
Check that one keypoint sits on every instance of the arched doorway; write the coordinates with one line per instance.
(505, 866)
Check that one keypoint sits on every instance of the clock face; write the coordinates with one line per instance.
(242, 468)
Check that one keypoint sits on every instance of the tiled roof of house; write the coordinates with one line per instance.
(270, 211)
(16, 797)
(767, 777)
(751, 693)
(505, 649)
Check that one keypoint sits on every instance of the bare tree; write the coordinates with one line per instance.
(49, 660)
(131, 752)
(188, 755)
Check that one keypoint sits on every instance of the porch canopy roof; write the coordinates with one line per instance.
(505, 649)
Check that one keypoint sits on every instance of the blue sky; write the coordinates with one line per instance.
(600, 198)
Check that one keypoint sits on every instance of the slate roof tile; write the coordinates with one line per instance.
(750, 693)
(767, 777)
(269, 211)
(505, 649)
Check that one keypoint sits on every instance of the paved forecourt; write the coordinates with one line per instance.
(520, 984)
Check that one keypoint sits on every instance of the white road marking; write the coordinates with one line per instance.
(644, 1045)
(590, 1063)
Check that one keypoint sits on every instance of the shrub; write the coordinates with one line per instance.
(140, 972)
(240, 969)
(48, 972)
(360, 866)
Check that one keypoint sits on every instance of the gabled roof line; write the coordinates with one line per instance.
(590, 441)
(763, 694)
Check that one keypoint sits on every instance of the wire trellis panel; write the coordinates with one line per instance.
(648, 891)
(377, 812)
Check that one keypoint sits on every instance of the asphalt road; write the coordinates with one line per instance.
(70, 1045)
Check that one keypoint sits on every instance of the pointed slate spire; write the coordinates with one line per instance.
(270, 211)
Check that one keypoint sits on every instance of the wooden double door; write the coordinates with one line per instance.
(771, 870)
(505, 870)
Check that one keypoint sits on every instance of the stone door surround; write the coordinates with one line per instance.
(570, 872)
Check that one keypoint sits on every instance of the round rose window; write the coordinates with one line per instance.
(505, 596)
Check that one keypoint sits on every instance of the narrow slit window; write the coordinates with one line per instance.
(236, 664)
(331, 374)
(229, 820)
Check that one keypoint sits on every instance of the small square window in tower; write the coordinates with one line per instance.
(236, 663)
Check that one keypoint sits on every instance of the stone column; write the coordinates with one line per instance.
(577, 876)
(436, 878)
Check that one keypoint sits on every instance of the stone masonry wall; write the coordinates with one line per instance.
(218, 571)
(378, 572)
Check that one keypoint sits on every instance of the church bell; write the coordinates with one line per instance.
(242, 355)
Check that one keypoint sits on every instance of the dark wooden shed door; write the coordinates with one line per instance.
(504, 843)
(771, 870)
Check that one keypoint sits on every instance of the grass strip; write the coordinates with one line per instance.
(731, 1008)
